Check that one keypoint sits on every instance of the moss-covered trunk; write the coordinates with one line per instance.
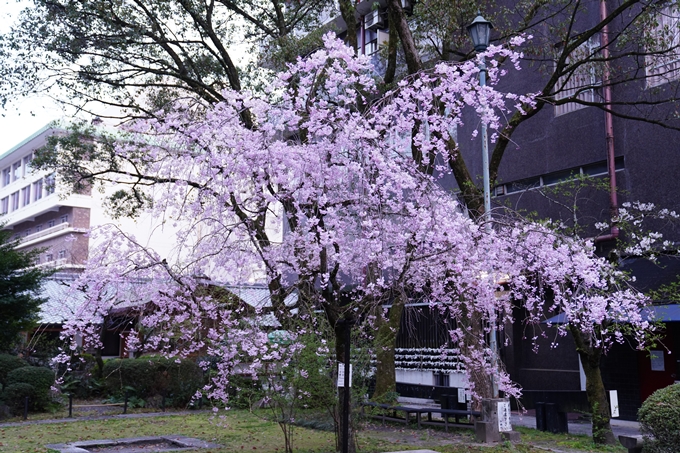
(595, 391)
(385, 344)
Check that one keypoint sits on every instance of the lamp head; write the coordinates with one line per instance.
(480, 32)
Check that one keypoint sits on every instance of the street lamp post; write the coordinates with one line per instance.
(480, 31)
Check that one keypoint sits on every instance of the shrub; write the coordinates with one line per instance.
(152, 376)
(81, 381)
(659, 419)
(7, 364)
(244, 392)
(40, 378)
(15, 394)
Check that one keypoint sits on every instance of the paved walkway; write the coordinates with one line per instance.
(620, 427)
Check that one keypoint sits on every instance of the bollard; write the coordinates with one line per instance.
(125, 403)
(540, 416)
(25, 408)
(70, 406)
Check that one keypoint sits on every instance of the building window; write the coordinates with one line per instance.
(26, 196)
(441, 379)
(49, 257)
(16, 171)
(64, 219)
(37, 190)
(4, 205)
(663, 65)
(27, 164)
(62, 254)
(6, 176)
(50, 223)
(579, 82)
(49, 184)
(27, 232)
(38, 228)
(15, 201)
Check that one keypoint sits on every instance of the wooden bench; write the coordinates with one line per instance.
(124, 405)
(390, 413)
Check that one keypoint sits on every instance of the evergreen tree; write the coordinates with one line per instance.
(19, 289)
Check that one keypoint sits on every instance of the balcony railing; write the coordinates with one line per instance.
(46, 232)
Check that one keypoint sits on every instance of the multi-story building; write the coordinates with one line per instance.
(40, 214)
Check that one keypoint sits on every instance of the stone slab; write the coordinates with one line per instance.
(93, 443)
(487, 432)
(413, 451)
(511, 436)
(133, 444)
(191, 442)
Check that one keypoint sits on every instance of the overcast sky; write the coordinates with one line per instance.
(25, 116)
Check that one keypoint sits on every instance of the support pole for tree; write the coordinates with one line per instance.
(345, 403)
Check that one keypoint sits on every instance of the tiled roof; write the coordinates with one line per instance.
(64, 299)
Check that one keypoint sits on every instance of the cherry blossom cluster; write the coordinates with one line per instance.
(328, 186)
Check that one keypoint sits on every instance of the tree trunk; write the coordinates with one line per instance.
(347, 11)
(411, 54)
(385, 344)
(597, 395)
(340, 345)
(391, 70)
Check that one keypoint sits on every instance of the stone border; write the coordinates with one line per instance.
(183, 444)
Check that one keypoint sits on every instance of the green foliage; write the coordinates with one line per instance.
(133, 400)
(40, 379)
(153, 376)
(19, 287)
(8, 363)
(244, 392)
(15, 395)
(82, 381)
(669, 291)
(659, 419)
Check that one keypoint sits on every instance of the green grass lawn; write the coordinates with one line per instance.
(244, 431)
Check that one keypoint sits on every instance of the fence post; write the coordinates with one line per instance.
(25, 408)
(70, 405)
(126, 402)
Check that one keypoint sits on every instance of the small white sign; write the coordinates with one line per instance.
(504, 424)
(614, 402)
(461, 395)
(341, 374)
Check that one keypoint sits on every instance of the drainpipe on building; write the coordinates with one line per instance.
(363, 35)
(609, 132)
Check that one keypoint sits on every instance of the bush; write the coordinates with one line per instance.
(153, 376)
(659, 419)
(40, 378)
(244, 392)
(15, 394)
(82, 381)
(7, 364)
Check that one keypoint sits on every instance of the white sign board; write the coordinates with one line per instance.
(504, 424)
(614, 402)
(341, 374)
(461, 395)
